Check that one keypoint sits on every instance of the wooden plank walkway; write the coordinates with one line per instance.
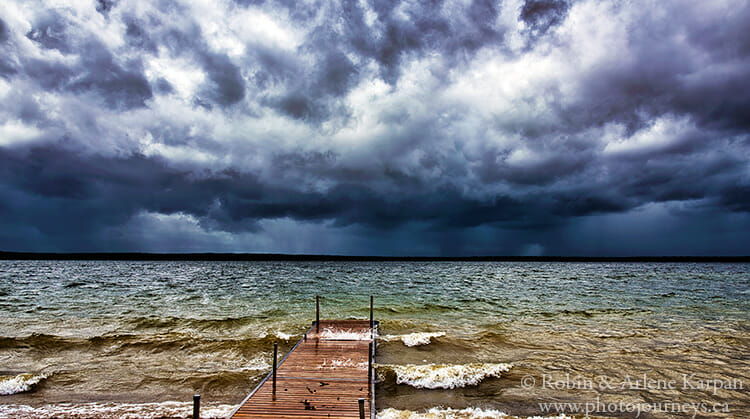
(324, 375)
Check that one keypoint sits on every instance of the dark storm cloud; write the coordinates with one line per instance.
(337, 74)
(653, 82)
(104, 6)
(540, 15)
(49, 181)
(227, 86)
(311, 92)
(137, 36)
(313, 97)
(400, 28)
(428, 28)
(49, 75)
(50, 32)
(6, 66)
(3, 31)
(118, 188)
(121, 86)
(163, 86)
(450, 127)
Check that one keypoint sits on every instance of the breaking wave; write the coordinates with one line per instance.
(283, 336)
(448, 413)
(12, 384)
(115, 410)
(204, 325)
(161, 342)
(433, 376)
(414, 339)
(344, 334)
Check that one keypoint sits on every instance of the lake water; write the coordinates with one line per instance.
(456, 339)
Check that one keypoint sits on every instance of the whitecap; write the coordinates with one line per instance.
(432, 376)
(12, 384)
(172, 409)
(258, 363)
(344, 334)
(448, 413)
(415, 339)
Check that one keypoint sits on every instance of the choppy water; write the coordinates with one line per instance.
(138, 339)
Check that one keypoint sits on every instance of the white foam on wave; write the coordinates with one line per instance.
(278, 334)
(344, 334)
(283, 336)
(414, 339)
(258, 363)
(432, 376)
(12, 384)
(448, 413)
(169, 409)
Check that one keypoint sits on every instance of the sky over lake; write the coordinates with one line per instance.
(538, 127)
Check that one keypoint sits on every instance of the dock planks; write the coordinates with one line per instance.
(323, 375)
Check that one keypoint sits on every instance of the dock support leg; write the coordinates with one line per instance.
(369, 363)
(317, 313)
(197, 406)
(372, 323)
(275, 355)
(361, 408)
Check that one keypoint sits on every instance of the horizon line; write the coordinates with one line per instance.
(270, 257)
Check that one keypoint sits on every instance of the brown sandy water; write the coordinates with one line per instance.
(138, 339)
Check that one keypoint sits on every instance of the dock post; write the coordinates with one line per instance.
(369, 362)
(197, 406)
(275, 354)
(371, 321)
(361, 408)
(317, 313)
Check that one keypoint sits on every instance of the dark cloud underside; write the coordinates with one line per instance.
(439, 127)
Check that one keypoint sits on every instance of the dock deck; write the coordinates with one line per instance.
(324, 375)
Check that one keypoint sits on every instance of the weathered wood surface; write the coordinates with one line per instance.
(323, 376)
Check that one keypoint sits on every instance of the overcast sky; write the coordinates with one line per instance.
(542, 127)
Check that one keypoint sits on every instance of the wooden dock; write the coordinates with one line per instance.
(324, 375)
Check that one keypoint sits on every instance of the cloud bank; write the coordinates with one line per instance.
(376, 127)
